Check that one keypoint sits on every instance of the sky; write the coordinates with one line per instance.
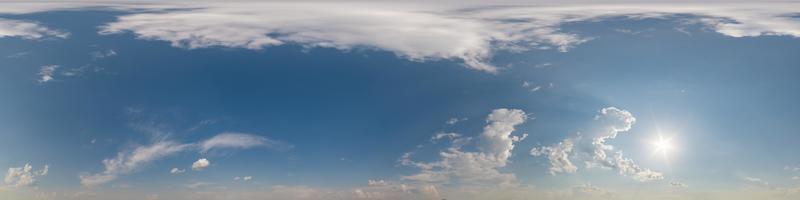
(382, 100)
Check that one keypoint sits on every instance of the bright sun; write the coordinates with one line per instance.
(663, 145)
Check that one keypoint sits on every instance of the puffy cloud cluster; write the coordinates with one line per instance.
(480, 167)
(24, 176)
(593, 151)
(200, 164)
(128, 162)
(558, 155)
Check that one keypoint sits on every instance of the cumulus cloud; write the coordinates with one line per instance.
(24, 176)
(626, 166)
(177, 171)
(241, 141)
(200, 164)
(46, 73)
(558, 155)
(480, 167)
(27, 30)
(610, 122)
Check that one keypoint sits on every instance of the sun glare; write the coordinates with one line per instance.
(663, 146)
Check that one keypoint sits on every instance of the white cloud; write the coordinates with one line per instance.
(200, 164)
(245, 178)
(455, 120)
(426, 32)
(24, 176)
(27, 30)
(128, 161)
(677, 184)
(481, 167)
(533, 88)
(626, 166)
(389, 190)
(610, 121)
(46, 73)
(537, 88)
(18, 55)
(471, 33)
(196, 185)
(756, 181)
(102, 54)
(590, 190)
(419, 36)
(377, 183)
(442, 135)
(177, 171)
(240, 140)
(558, 155)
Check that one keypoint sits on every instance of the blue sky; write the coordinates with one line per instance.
(362, 100)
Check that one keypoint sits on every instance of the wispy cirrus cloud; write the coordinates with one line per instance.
(130, 161)
(127, 162)
(241, 141)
